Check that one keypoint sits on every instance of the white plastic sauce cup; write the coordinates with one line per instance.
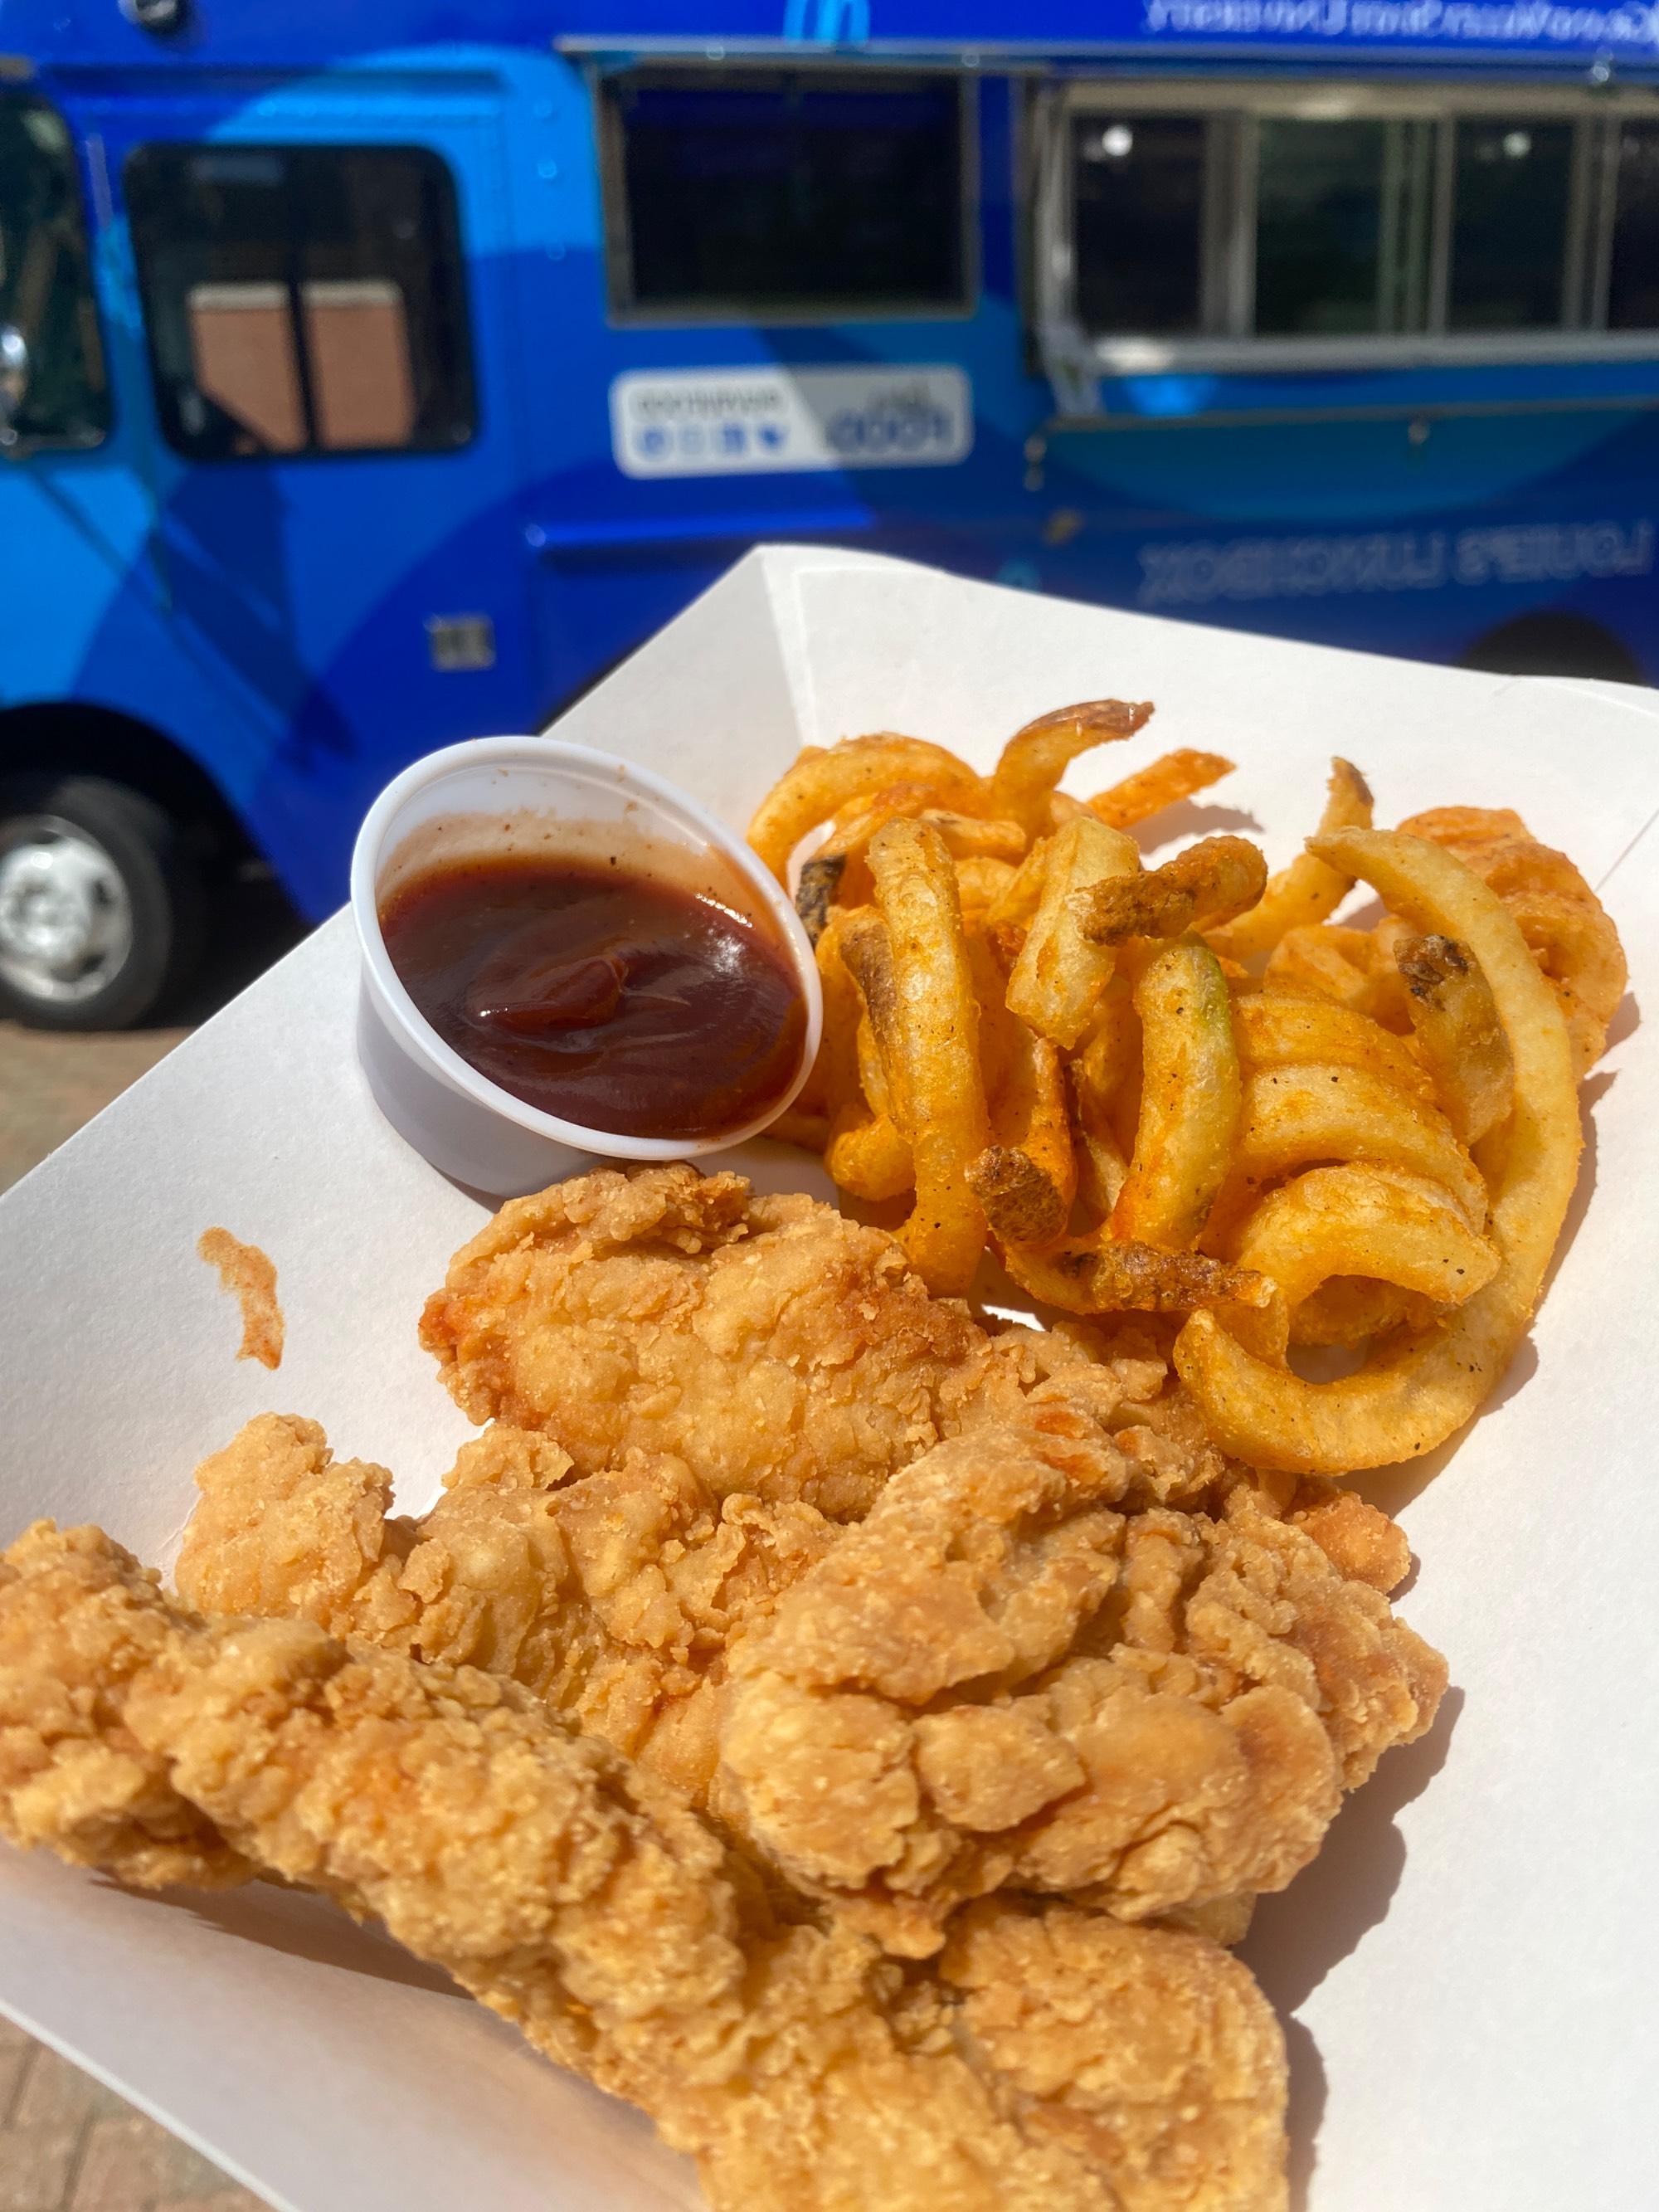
(469, 1127)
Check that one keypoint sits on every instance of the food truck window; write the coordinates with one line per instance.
(46, 288)
(1511, 192)
(784, 194)
(1138, 222)
(1342, 213)
(1633, 274)
(302, 299)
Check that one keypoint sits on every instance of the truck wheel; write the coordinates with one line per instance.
(100, 904)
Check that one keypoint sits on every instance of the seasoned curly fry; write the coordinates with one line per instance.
(1367, 1065)
(982, 881)
(1300, 1117)
(866, 950)
(1022, 1205)
(1102, 1169)
(1189, 1099)
(833, 1083)
(1410, 1401)
(1059, 976)
(1108, 1060)
(940, 1092)
(1379, 1223)
(1030, 1168)
(839, 865)
(1219, 876)
(1351, 968)
(1116, 1275)
(1274, 1030)
(1166, 782)
(1562, 922)
(867, 1155)
(1035, 758)
(1309, 890)
(1351, 1310)
(815, 892)
(822, 782)
(1460, 1039)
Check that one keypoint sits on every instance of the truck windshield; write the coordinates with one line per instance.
(45, 288)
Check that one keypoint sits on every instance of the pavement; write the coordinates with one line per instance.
(67, 2144)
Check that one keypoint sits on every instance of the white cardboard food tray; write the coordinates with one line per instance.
(1468, 1970)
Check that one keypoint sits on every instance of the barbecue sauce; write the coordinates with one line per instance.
(612, 999)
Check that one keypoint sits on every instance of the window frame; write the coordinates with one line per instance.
(23, 442)
(1236, 108)
(624, 313)
(285, 150)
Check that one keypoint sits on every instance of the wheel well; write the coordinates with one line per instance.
(68, 739)
(1554, 642)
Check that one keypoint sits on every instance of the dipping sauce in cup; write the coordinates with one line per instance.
(607, 988)
(567, 959)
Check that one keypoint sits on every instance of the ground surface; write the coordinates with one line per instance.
(66, 2144)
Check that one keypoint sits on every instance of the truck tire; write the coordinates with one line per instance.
(101, 907)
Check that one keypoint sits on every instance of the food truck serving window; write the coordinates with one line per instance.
(301, 300)
(1264, 222)
(788, 193)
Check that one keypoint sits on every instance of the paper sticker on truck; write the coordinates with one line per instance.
(739, 422)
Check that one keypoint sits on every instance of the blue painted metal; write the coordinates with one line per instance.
(269, 618)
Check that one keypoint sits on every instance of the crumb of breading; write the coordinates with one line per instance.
(251, 1275)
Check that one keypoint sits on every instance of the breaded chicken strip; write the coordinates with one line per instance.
(1022, 1669)
(1119, 1695)
(779, 1350)
(612, 1597)
(1052, 2062)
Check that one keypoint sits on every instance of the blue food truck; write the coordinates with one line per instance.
(374, 373)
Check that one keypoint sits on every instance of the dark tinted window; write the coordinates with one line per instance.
(1633, 278)
(788, 192)
(1319, 228)
(1138, 211)
(1510, 192)
(45, 291)
(302, 299)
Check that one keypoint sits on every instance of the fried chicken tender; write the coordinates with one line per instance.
(613, 1597)
(1053, 2061)
(779, 1350)
(1144, 1681)
(1026, 1669)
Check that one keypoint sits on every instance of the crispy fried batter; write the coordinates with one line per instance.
(612, 1597)
(73, 1776)
(1053, 2061)
(1126, 1747)
(781, 1351)
(1047, 1660)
